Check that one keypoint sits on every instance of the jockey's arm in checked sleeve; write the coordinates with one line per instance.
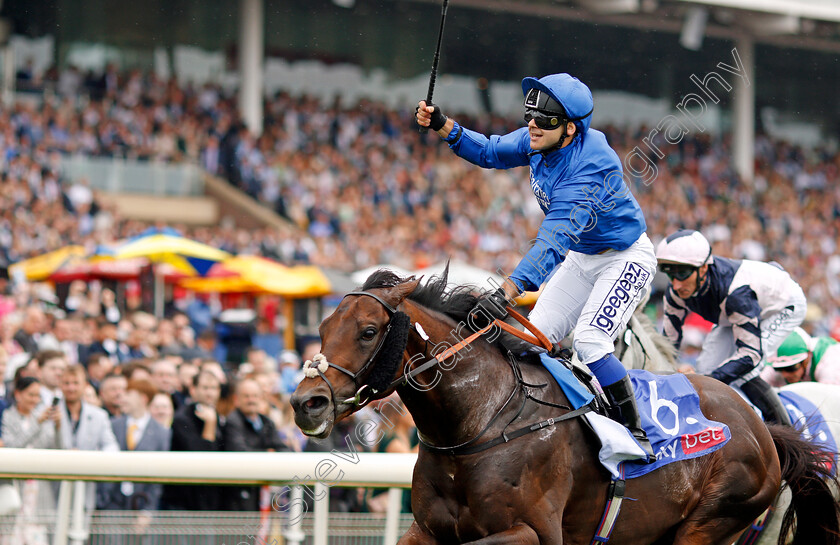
(675, 313)
(743, 313)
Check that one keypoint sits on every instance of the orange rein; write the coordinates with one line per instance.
(537, 337)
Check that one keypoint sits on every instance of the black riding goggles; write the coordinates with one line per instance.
(678, 272)
(789, 369)
(544, 121)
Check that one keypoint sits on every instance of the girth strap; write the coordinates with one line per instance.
(506, 437)
(615, 497)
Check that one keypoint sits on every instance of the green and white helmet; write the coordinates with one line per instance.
(794, 349)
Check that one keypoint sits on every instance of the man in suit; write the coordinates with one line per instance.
(247, 430)
(83, 426)
(32, 329)
(107, 343)
(65, 332)
(136, 430)
(51, 366)
(165, 377)
(99, 365)
(112, 393)
(197, 427)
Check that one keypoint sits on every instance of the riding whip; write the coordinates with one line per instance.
(436, 59)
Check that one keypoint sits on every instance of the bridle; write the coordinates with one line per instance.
(364, 393)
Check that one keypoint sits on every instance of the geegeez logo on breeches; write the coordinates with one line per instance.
(632, 279)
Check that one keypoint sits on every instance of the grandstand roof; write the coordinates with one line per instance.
(808, 24)
(823, 10)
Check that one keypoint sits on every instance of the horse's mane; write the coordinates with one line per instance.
(455, 302)
(662, 343)
(458, 301)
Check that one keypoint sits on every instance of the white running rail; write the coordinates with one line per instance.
(316, 470)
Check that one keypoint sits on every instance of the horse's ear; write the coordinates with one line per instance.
(396, 294)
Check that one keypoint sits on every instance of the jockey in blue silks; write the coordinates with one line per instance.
(593, 228)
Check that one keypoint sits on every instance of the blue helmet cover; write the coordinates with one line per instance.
(569, 91)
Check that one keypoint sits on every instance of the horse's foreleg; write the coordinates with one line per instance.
(518, 535)
(416, 536)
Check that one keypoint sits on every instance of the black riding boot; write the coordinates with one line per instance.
(767, 400)
(623, 410)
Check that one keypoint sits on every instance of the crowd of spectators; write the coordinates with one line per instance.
(131, 382)
(365, 187)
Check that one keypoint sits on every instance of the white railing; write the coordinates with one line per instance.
(318, 470)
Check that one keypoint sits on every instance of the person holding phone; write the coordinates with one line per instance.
(25, 424)
(197, 427)
(29, 423)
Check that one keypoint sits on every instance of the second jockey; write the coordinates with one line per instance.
(802, 358)
(754, 306)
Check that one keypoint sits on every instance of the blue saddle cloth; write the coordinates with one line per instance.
(806, 416)
(576, 392)
(670, 413)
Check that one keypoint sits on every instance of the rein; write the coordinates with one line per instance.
(365, 393)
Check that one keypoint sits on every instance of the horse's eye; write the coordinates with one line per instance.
(368, 334)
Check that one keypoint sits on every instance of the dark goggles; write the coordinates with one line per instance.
(789, 369)
(678, 272)
(544, 121)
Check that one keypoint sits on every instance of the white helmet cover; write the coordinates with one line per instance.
(685, 247)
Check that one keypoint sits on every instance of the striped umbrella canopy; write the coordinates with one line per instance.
(255, 274)
(258, 275)
(120, 270)
(167, 246)
(186, 255)
(41, 267)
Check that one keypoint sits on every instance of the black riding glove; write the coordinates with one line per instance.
(438, 119)
(490, 307)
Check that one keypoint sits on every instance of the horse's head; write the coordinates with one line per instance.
(362, 346)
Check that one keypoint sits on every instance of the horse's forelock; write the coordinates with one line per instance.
(383, 278)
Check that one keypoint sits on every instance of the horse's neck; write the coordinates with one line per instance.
(454, 401)
(648, 349)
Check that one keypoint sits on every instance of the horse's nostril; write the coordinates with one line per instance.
(314, 403)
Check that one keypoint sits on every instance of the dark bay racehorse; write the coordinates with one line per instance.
(545, 487)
